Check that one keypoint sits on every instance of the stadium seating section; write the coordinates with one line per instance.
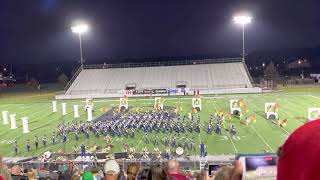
(203, 77)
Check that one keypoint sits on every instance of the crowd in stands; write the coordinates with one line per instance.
(110, 171)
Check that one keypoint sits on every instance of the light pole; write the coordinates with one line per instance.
(243, 20)
(80, 29)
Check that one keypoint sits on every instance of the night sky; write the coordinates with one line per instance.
(38, 31)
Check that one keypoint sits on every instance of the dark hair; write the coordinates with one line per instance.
(143, 174)
(132, 171)
(157, 172)
(94, 170)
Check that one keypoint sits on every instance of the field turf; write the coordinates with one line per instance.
(255, 138)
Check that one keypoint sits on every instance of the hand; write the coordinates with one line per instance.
(280, 152)
(236, 173)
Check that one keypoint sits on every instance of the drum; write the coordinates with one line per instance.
(179, 151)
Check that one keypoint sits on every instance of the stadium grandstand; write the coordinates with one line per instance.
(209, 76)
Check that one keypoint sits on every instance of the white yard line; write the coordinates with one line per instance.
(47, 148)
(4, 106)
(234, 146)
(262, 138)
(199, 148)
(138, 144)
(314, 96)
(24, 111)
(288, 133)
(170, 138)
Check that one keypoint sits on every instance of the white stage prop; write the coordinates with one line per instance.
(13, 121)
(64, 108)
(196, 103)
(76, 111)
(235, 106)
(270, 111)
(5, 117)
(89, 104)
(123, 103)
(313, 114)
(158, 102)
(25, 124)
(89, 111)
(54, 106)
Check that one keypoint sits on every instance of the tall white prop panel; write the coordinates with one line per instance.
(25, 124)
(89, 111)
(5, 117)
(235, 106)
(13, 121)
(76, 111)
(64, 108)
(89, 103)
(196, 103)
(54, 106)
(271, 110)
(123, 103)
(313, 113)
(158, 102)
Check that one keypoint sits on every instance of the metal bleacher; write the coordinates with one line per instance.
(205, 75)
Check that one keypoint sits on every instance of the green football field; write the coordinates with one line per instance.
(255, 138)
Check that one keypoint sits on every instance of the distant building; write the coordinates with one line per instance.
(298, 64)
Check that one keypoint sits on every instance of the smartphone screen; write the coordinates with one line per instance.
(213, 169)
(259, 166)
(252, 163)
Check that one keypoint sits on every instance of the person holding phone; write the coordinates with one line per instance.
(298, 157)
(233, 172)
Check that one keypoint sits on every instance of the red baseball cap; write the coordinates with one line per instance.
(300, 154)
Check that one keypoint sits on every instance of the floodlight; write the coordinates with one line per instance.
(242, 19)
(80, 28)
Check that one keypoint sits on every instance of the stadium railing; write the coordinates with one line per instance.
(167, 63)
(72, 79)
(247, 70)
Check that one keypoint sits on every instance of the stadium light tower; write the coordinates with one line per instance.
(80, 29)
(243, 20)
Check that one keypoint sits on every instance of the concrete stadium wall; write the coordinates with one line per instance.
(121, 94)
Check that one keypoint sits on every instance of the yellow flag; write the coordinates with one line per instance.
(253, 118)
(245, 107)
(229, 115)
(276, 107)
(194, 110)
(241, 103)
(189, 115)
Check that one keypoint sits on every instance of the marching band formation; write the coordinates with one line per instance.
(149, 124)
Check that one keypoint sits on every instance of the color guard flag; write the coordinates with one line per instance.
(241, 103)
(276, 107)
(229, 115)
(253, 118)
